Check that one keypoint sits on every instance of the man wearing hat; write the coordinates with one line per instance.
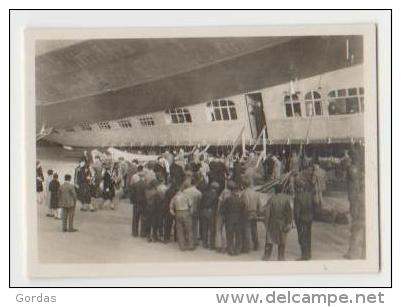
(278, 219)
(209, 203)
(233, 211)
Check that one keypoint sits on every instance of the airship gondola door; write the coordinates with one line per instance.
(256, 115)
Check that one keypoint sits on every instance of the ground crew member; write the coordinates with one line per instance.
(180, 208)
(303, 214)
(151, 211)
(278, 218)
(138, 201)
(67, 201)
(356, 197)
(251, 199)
(209, 203)
(233, 211)
(82, 182)
(195, 197)
(168, 218)
(220, 243)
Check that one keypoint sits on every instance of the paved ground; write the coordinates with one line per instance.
(105, 236)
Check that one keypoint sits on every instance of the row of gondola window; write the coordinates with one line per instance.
(341, 101)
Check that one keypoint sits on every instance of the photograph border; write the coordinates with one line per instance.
(378, 174)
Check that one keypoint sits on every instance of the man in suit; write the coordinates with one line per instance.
(278, 219)
(67, 201)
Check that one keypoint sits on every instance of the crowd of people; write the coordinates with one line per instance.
(201, 200)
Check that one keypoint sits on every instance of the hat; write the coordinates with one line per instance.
(231, 185)
(135, 178)
(215, 185)
(153, 183)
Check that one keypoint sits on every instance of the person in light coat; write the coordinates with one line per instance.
(67, 201)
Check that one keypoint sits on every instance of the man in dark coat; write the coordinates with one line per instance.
(252, 203)
(54, 189)
(108, 185)
(218, 172)
(138, 201)
(82, 181)
(152, 211)
(233, 211)
(278, 219)
(168, 218)
(237, 172)
(39, 183)
(177, 174)
(180, 208)
(209, 202)
(303, 214)
(268, 167)
(356, 196)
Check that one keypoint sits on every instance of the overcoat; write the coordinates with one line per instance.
(278, 218)
(54, 188)
(68, 196)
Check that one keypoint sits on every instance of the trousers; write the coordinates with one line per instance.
(68, 218)
(154, 224)
(168, 221)
(357, 245)
(304, 230)
(250, 234)
(136, 216)
(269, 250)
(220, 233)
(195, 223)
(184, 228)
(234, 233)
(208, 225)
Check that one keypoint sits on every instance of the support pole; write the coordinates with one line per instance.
(243, 143)
(237, 140)
(260, 135)
(263, 154)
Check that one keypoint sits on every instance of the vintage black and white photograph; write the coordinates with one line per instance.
(233, 150)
